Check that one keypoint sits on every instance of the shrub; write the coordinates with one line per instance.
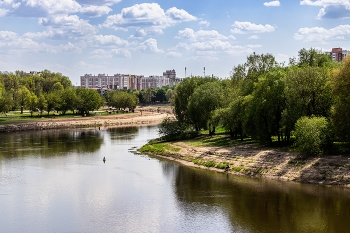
(172, 129)
(313, 135)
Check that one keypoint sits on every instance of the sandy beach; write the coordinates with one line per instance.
(146, 117)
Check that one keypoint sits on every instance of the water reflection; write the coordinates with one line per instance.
(265, 206)
(123, 133)
(49, 143)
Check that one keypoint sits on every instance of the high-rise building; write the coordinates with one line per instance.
(129, 81)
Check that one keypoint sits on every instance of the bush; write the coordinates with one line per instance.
(313, 135)
(172, 129)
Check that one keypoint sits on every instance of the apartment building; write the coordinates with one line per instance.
(338, 54)
(128, 81)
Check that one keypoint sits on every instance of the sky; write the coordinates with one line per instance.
(78, 37)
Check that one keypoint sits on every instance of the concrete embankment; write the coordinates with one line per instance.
(134, 119)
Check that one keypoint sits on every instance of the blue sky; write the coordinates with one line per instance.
(75, 37)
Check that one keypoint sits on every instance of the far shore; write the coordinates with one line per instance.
(259, 161)
(137, 118)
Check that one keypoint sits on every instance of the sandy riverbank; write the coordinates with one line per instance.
(258, 161)
(127, 119)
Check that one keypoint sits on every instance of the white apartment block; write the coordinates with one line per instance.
(128, 81)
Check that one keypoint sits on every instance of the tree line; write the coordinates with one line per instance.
(308, 100)
(49, 91)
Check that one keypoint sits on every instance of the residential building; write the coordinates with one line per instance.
(338, 54)
(129, 81)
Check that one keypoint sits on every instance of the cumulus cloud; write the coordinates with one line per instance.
(110, 40)
(98, 2)
(248, 27)
(64, 26)
(149, 46)
(323, 2)
(43, 8)
(190, 34)
(272, 3)
(95, 11)
(147, 16)
(331, 9)
(22, 44)
(322, 35)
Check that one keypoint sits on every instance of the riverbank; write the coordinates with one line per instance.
(258, 161)
(114, 120)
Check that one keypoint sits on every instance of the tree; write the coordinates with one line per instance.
(264, 112)
(23, 95)
(119, 99)
(32, 103)
(341, 111)
(308, 92)
(68, 100)
(313, 135)
(182, 94)
(6, 100)
(42, 103)
(88, 100)
(205, 99)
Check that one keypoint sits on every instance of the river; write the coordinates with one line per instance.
(56, 181)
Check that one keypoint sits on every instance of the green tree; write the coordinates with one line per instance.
(32, 103)
(205, 99)
(313, 135)
(341, 110)
(123, 100)
(264, 112)
(23, 95)
(308, 92)
(42, 103)
(88, 100)
(68, 100)
(6, 100)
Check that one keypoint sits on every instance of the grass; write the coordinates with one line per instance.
(158, 148)
(14, 117)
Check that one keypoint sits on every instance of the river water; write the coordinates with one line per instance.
(56, 181)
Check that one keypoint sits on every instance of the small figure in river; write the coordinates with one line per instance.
(104, 159)
(227, 168)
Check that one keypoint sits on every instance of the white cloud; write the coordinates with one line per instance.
(149, 46)
(272, 3)
(147, 16)
(173, 54)
(3, 12)
(323, 2)
(204, 23)
(322, 35)
(253, 37)
(64, 26)
(331, 9)
(247, 27)
(110, 40)
(95, 11)
(11, 41)
(190, 34)
(98, 2)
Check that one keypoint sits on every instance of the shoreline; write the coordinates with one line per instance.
(127, 119)
(262, 162)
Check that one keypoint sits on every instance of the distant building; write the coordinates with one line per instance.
(129, 81)
(338, 54)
